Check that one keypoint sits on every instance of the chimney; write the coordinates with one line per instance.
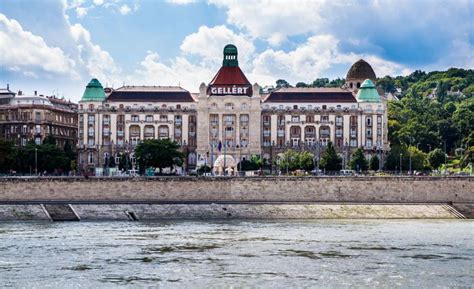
(36, 93)
(20, 92)
(8, 86)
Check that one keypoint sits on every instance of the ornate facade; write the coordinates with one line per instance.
(25, 118)
(231, 117)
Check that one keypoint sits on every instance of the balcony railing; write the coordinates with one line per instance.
(120, 133)
(266, 133)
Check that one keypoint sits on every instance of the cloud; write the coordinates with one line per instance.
(208, 43)
(98, 62)
(98, 2)
(179, 71)
(313, 59)
(124, 9)
(22, 49)
(181, 2)
(406, 31)
(81, 12)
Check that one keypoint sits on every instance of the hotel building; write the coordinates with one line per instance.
(230, 119)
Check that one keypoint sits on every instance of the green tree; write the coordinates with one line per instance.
(436, 158)
(158, 153)
(301, 84)
(374, 163)
(418, 158)
(112, 163)
(124, 162)
(290, 160)
(330, 161)
(358, 161)
(306, 160)
(49, 139)
(282, 83)
(203, 169)
(7, 155)
(320, 82)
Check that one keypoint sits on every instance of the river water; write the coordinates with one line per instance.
(269, 254)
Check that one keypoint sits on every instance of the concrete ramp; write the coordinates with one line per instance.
(58, 213)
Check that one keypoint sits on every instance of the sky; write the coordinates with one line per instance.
(56, 46)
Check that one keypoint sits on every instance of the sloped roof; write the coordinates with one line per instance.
(94, 91)
(230, 75)
(315, 95)
(151, 93)
(368, 92)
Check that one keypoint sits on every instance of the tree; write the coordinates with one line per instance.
(358, 161)
(112, 163)
(282, 83)
(158, 153)
(7, 155)
(330, 161)
(124, 162)
(49, 140)
(320, 82)
(301, 84)
(290, 160)
(436, 158)
(418, 158)
(374, 163)
(203, 169)
(306, 161)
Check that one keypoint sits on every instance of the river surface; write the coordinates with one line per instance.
(269, 254)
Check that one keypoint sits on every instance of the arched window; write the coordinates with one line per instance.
(229, 105)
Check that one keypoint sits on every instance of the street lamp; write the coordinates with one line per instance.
(401, 163)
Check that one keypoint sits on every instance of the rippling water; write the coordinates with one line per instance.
(277, 254)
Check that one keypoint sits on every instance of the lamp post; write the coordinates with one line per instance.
(401, 163)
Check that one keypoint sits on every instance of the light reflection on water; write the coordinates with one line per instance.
(273, 254)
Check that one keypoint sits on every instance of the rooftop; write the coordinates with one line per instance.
(151, 93)
(361, 70)
(313, 94)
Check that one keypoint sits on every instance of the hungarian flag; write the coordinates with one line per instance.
(219, 146)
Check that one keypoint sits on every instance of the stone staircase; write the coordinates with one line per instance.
(60, 212)
(454, 211)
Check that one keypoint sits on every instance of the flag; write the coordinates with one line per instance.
(219, 146)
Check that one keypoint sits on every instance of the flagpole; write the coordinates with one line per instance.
(225, 149)
(212, 158)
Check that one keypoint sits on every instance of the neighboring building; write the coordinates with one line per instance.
(25, 118)
(231, 117)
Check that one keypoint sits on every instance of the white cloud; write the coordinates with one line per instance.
(181, 2)
(23, 49)
(98, 62)
(311, 60)
(81, 12)
(208, 43)
(98, 2)
(179, 71)
(124, 9)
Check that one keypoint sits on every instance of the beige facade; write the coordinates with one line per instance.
(231, 117)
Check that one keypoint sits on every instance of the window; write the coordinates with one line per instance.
(353, 143)
(324, 119)
(178, 119)
(266, 120)
(368, 143)
(149, 118)
(135, 118)
(90, 142)
(38, 116)
(369, 121)
(379, 119)
(244, 106)
(310, 118)
(229, 105)
(91, 118)
(163, 118)
(325, 107)
(214, 105)
(339, 120)
(295, 118)
(90, 158)
(37, 140)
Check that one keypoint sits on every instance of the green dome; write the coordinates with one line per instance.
(94, 91)
(230, 55)
(368, 92)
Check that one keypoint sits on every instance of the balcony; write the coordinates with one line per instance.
(91, 133)
(214, 123)
(120, 133)
(192, 133)
(177, 133)
(281, 122)
(227, 122)
(149, 134)
(134, 134)
(266, 133)
(106, 122)
(266, 122)
(310, 134)
(281, 133)
(178, 121)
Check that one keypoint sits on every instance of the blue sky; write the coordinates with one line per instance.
(57, 46)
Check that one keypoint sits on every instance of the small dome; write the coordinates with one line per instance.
(94, 91)
(368, 92)
(361, 70)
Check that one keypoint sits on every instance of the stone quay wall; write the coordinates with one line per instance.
(226, 189)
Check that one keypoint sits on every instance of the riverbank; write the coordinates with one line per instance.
(245, 198)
